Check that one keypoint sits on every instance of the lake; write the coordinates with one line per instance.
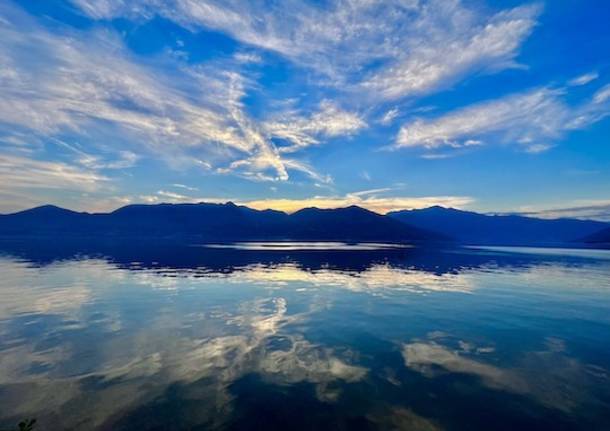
(303, 337)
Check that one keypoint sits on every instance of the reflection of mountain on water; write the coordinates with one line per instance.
(204, 260)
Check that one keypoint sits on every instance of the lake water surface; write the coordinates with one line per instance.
(291, 337)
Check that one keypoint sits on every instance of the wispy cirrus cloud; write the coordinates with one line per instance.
(596, 209)
(389, 117)
(89, 85)
(391, 49)
(121, 160)
(584, 79)
(20, 172)
(457, 43)
(300, 131)
(534, 119)
(28, 182)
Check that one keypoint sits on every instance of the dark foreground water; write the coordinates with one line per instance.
(159, 337)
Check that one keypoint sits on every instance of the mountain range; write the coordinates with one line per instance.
(229, 222)
(481, 229)
(214, 222)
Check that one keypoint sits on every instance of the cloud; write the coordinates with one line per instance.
(534, 119)
(583, 79)
(24, 173)
(185, 187)
(466, 46)
(122, 160)
(416, 46)
(144, 362)
(427, 357)
(560, 389)
(389, 116)
(586, 210)
(26, 182)
(603, 95)
(87, 84)
(376, 280)
(437, 156)
(330, 121)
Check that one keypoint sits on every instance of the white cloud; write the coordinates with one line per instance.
(603, 95)
(23, 173)
(533, 119)
(123, 160)
(465, 46)
(538, 148)
(26, 182)
(88, 84)
(309, 171)
(185, 187)
(584, 79)
(418, 46)
(595, 209)
(428, 357)
(389, 116)
(174, 197)
(330, 121)
(247, 57)
(437, 156)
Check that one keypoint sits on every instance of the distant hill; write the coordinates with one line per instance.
(353, 223)
(599, 237)
(213, 222)
(473, 228)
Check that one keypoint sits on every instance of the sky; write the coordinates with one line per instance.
(493, 106)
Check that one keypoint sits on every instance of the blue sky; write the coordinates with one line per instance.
(496, 106)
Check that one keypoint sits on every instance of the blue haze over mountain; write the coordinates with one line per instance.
(601, 237)
(473, 228)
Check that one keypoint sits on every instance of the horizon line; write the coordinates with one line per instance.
(525, 214)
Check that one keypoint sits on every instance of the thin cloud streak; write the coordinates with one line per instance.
(18, 173)
(585, 210)
(533, 119)
(584, 79)
(25, 182)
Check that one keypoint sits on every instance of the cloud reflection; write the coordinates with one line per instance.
(549, 376)
(77, 333)
(215, 348)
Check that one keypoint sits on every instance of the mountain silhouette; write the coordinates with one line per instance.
(480, 229)
(599, 237)
(353, 223)
(211, 222)
(214, 222)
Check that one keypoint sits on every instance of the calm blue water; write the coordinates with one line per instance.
(161, 337)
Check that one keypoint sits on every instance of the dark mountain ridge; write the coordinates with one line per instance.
(480, 229)
(213, 222)
(601, 237)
